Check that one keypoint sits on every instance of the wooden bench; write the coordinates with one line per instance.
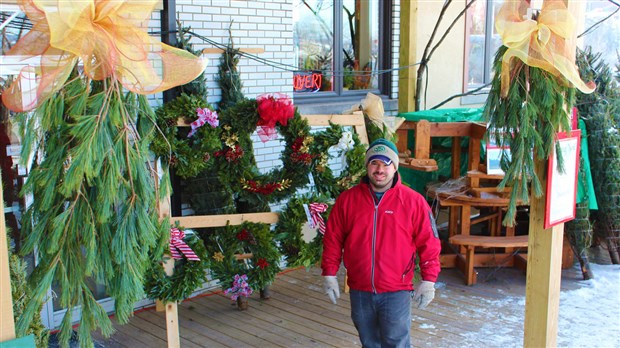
(471, 242)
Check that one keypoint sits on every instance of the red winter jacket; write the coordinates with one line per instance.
(379, 242)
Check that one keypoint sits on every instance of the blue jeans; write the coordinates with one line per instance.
(382, 320)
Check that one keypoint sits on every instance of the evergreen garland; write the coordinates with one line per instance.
(601, 113)
(288, 232)
(186, 278)
(527, 122)
(197, 87)
(228, 79)
(93, 212)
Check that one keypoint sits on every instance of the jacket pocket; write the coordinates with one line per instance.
(409, 267)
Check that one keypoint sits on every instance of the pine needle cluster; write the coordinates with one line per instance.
(527, 122)
(93, 215)
(228, 78)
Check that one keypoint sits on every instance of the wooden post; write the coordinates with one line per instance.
(172, 311)
(7, 322)
(407, 55)
(544, 261)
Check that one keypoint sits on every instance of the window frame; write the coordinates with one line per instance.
(383, 60)
(488, 56)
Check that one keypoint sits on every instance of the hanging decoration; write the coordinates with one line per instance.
(530, 97)
(273, 108)
(545, 42)
(204, 116)
(178, 248)
(316, 209)
(108, 37)
(236, 164)
(91, 180)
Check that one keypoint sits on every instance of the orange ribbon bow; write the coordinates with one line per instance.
(110, 39)
(546, 43)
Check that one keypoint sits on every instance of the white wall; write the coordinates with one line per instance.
(265, 24)
(445, 68)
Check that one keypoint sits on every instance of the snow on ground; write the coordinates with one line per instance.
(589, 316)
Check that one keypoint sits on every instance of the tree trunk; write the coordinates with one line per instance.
(584, 263)
(612, 247)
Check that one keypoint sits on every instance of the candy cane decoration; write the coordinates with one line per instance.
(315, 211)
(178, 248)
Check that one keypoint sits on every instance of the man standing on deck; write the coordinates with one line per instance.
(378, 227)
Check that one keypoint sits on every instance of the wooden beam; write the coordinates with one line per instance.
(422, 140)
(196, 221)
(172, 312)
(544, 260)
(356, 120)
(253, 50)
(7, 322)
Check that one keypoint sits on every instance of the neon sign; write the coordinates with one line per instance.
(307, 81)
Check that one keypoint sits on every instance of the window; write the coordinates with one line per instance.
(481, 43)
(340, 47)
(602, 30)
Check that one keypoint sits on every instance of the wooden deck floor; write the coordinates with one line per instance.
(300, 315)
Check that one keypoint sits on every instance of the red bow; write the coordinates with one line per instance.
(273, 108)
(178, 246)
(315, 211)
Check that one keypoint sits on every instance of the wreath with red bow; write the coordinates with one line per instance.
(236, 164)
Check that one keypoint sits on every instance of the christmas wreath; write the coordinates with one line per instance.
(187, 149)
(236, 164)
(243, 249)
(302, 214)
(189, 269)
(345, 143)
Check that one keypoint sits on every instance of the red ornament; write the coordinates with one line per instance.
(262, 263)
(243, 235)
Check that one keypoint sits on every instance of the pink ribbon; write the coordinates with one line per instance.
(178, 248)
(315, 212)
(204, 115)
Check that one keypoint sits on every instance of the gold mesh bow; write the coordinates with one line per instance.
(108, 36)
(546, 43)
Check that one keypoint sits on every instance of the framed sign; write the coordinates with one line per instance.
(562, 185)
(494, 156)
